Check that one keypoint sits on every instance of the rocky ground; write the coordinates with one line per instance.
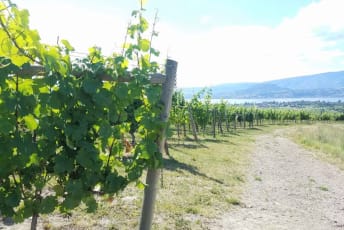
(288, 188)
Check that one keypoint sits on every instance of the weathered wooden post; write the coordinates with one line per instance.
(226, 120)
(193, 125)
(152, 177)
(214, 123)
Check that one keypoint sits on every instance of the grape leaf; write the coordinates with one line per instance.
(30, 122)
(67, 45)
(144, 45)
(63, 164)
(48, 204)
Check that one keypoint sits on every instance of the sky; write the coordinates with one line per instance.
(213, 41)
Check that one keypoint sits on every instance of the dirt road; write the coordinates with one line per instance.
(288, 188)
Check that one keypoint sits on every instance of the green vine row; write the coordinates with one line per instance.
(62, 129)
(222, 117)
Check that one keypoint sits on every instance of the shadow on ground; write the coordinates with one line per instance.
(173, 165)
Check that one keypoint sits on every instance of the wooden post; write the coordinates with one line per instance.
(220, 122)
(193, 125)
(153, 174)
(226, 120)
(214, 123)
(244, 119)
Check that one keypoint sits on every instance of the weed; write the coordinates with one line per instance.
(233, 201)
(323, 188)
(192, 210)
(183, 224)
(258, 178)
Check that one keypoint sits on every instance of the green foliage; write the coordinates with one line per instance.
(179, 113)
(215, 115)
(201, 108)
(64, 127)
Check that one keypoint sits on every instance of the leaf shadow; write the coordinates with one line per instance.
(190, 145)
(173, 165)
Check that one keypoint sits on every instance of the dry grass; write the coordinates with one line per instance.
(201, 181)
(326, 138)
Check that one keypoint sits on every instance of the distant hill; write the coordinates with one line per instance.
(329, 84)
(331, 80)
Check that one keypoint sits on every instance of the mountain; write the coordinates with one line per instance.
(331, 80)
(329, 84)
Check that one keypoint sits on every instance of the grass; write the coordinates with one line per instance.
(258, 178)
(233, 201)
(323, 188)
(200, 182)
(326, 138)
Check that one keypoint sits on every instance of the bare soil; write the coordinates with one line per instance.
(288, 187)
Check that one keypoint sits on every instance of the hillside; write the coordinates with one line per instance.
(329, 84)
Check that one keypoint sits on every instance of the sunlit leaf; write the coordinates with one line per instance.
(30, 122)
(144, 45)
(34, 160)
(143, 24)
(140, 185)
(67, 45)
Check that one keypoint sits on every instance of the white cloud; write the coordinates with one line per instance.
(205, 20)
(298, 46)
(81, 26)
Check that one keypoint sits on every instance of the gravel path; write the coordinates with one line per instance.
(288, 188)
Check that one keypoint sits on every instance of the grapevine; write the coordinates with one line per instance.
(61, 129)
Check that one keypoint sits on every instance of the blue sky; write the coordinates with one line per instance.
(214, 41)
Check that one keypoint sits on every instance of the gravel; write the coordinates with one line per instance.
(288, 188)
